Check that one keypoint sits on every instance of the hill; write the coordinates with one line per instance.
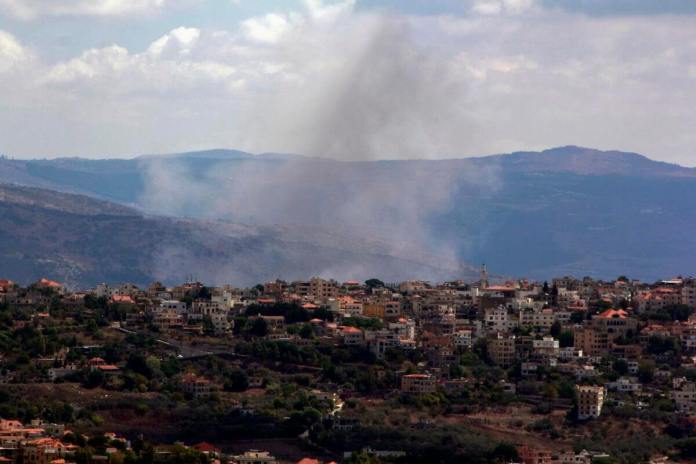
(82, 241)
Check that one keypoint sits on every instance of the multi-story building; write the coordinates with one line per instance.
(501, 350)
(684, 397)
(463, 338)
(590, 400)
(322, 289)
(418, 384)
(498, 319)
(547, 347)
(590, 340)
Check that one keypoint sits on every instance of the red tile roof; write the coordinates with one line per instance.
(614, 314)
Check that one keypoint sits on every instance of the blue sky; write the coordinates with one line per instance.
(350, 79)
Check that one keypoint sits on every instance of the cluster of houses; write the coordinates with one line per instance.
(520, 323)
(48, 443)
(570, 325)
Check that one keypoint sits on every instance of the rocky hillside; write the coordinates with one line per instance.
(82, 241)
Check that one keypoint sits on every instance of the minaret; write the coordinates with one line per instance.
(484, 276)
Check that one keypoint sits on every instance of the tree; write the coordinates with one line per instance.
(646, 371)
(505, 452)
(556, 329)
(138, 364)
(374, 283)
(566, 339)
(237, 381)
(620, 366)
(362, 457)
(94, 379)
(307, 331)
(660, 345)
(259, 327)
(204, 293)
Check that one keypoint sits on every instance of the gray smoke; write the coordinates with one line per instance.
(381, 94)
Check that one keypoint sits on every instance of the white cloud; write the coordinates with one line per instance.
(268, 29)
(179, 41)
(495, 7)
(12, 53)
(29, 9)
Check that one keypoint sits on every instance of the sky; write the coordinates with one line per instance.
(348, 79)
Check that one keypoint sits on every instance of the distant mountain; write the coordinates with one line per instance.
(587, 161)
(565, 210)
(82, 241)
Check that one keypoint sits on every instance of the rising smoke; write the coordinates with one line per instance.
(361, 88)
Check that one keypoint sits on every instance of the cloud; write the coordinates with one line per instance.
(12, 52)
(495, 7)
(166, 66)
(30, 9)
(334, 80)
(267, 29)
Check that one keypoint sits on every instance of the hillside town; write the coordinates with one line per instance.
(568, 371)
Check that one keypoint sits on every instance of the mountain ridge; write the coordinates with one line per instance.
(83, 241)
(536, 214)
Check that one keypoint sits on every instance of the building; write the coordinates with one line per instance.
(176, 306)
(196, 386)
(322, 289)
(590, 400)
(615, 323)
(684, 396)
(255, 457)
(498, 319)
(547, 347)
(418, 384)
(591, 341)
(501, 350)
(352, 336)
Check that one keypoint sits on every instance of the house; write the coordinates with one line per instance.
(352, 336)
(625, 385)
(168, 318)
(274, 323)
(176, 306)
(49, 284)
(123, 299)
(198, 387)
(547, 347)
(98, 364)
(55, 373)
(615, 323)
(534, 455)
(529, 369)
(255, 457)
(207, 449)
(684, 396)
(43, 450)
